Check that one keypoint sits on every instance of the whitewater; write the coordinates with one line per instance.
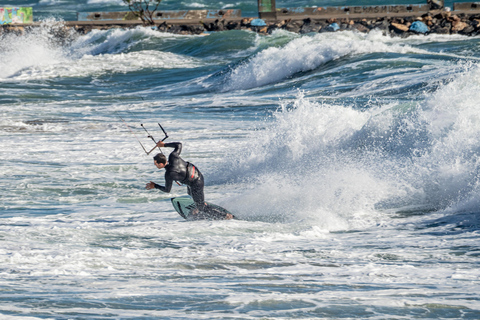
(351, 160)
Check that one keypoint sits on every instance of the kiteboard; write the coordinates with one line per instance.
(185, 206)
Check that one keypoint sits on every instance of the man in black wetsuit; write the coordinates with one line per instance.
(176, 169)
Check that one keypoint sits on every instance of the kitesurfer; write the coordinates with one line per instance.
(177, 169)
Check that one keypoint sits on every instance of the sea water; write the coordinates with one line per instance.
(351, 160)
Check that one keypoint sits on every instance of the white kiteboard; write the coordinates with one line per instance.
(185, 206)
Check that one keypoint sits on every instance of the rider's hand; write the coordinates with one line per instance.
(150, 185)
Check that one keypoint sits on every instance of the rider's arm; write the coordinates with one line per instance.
(176, 145)
(168, 183)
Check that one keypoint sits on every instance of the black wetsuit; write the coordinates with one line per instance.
(186, 173)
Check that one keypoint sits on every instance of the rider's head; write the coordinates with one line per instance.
(160, 160)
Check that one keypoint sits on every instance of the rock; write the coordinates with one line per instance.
(246, 21)
(258, 23)
(447, 25)
(428, 20)
(308, 28)
(175, 29)
(458, 25)
(272, 28)
(442, 15)
(440, 30)
(454, 18)
(263, 30)
(220, 25)
(476, 23)
(382, 25)
(16, 30)
(467, 31)
(293, 27)
(333, 27)
(195, 29)
(360, 28)
(232, 25)
(163, 27)
(398, 28)
(418, 27)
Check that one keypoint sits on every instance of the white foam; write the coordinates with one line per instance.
(37, 56)
(308, 53)
(33, 51)
(340, 165)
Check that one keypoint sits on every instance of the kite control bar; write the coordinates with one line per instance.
(151, 137)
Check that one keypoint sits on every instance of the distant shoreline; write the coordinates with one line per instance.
(434, 22)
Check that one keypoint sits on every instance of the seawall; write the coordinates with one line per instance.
(403, 24)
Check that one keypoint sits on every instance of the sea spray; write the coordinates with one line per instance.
(299, 167)
(37, 48)
(318, 158)
(40, 54)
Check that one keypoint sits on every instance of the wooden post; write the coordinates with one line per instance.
(266, 9)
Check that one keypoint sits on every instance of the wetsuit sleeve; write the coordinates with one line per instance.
(168, 184)
(176, 145)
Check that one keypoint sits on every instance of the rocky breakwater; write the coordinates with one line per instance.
(443, 22)
(439, 22)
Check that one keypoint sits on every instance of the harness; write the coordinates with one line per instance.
(193, 171)
(186, 176)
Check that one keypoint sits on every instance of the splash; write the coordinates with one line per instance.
(302, 167)
(36, 49)
(40, 55)
(334, 164)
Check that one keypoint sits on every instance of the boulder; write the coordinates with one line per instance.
(293, 27)
(195, 29)
(382, 25)
(467, 31)
(311, 27)
(440, 30)
(398, 27)
(258, 23)
(459, 25)
(333, 27)
(360, 27)
(419, 27)
(246, 21)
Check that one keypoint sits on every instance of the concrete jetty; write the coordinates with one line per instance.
(396, 20)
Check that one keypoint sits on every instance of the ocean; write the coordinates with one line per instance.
(351, 160)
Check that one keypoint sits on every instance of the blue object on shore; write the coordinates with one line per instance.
(419, 27)
(258, 23)
(334, 26)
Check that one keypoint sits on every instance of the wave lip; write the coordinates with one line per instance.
(305, 54)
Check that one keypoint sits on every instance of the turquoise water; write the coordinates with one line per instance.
(352, 160)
